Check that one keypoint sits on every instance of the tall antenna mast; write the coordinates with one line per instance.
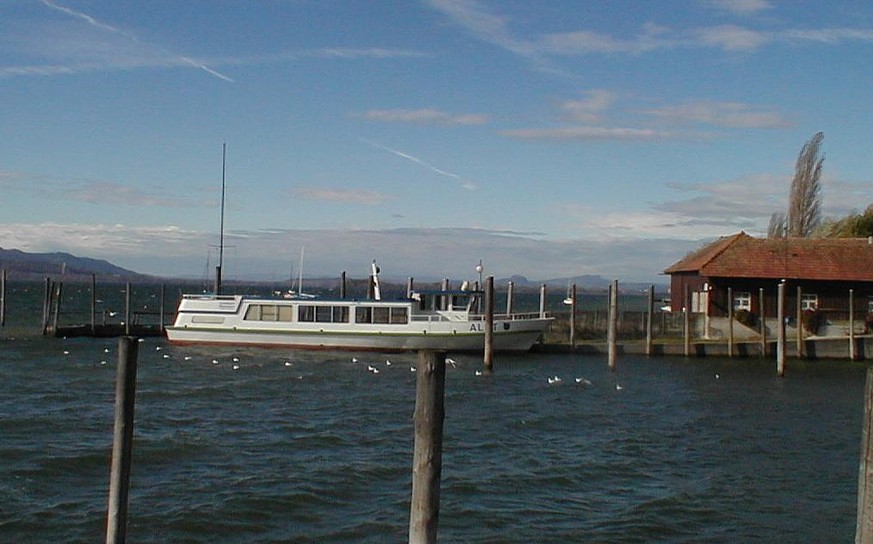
(221, 229)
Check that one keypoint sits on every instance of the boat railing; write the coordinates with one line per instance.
(511, 317)
(207, 296)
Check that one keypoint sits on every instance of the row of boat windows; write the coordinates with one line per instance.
(306, 313)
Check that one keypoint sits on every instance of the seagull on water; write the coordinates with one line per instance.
(583, 381)
(555, 379)
(478, 372)
(618, 387)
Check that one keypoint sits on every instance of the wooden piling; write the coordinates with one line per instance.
(573, 316)
(612, 346)
(122, 440)
(427, 457)
(730, 316)
(410, 286)
(46, 305)
(687, 321)
(799, 321)
(780, 338)
(127, 309)
(93, 303)
(650, 317)
(763, 314)
(56, 314)
(489, 324)
(161, 311)
(864, 524)
(3, 299)
(510, 293)
(852, 354)
(342, 286)
(543, 300)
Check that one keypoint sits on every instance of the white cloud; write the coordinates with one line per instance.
(721, 114)
(732, 38)
(741, 7)
(588, 133)
(350, 196)
(425, 116)
(590, 109)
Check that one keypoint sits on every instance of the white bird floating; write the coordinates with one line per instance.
(105, 350)
(618, 387)
(166, 356)
(157, 348)
(287, 363)
(187, 357)
(555, 379)
(215, 361)
(354, 359)
(236, 367)
(451, 361)
(236, 359)
(583, 381)
(478, 372)
(412, 369)
(387, 362)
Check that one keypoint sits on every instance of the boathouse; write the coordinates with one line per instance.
(821, 277)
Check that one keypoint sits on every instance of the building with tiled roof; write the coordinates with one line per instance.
(818, 272)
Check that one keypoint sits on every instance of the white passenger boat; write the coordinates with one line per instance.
(438, 320)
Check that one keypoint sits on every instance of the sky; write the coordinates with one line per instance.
(547, 139)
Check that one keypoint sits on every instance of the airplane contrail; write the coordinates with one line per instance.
(109, 28)
(416, 160)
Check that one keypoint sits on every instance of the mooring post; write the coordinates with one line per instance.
(46, 305)
(3, 299)
(763, 314)
(612, 346)
(342, 286)
(852, 355)
(573, 316)
(864, 525)
(687, 320)
(93, 303)
(510, 293)
(543, 300)
(730, 316)
(127, 310)
(489, 323)
(650, 318)
(427, 460)
(799, 315)
(122, 440)
(780, 338)
(410, 286)
(161, 311)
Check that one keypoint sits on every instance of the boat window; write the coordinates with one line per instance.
(380, 315)
(253, 313)
(286, 313)
(269, 312)
(399, 316)
(363, 314)
(340, 314)
(323, 314)
(306, 313)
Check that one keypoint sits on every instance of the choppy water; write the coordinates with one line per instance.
(304, 447)
(312, 447)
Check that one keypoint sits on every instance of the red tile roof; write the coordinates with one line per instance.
(742, 256)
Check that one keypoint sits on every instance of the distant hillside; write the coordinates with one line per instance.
(586, 282)
(34, 266)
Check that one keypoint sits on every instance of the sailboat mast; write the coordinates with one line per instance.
(221, 229)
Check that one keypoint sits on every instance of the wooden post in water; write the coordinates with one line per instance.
(122, 440)
(410, 286)
(161, 311)
(799, 315)
(612, 346)
(427, 460)
(780, 338)
(543, 300)
(93, 303)
(489, 323)
(3, 299)
(46, 305)
(763, 315)
(864, 524)
(573, 316)
(650, 318)
(510, 293)
(342, 285)
(127, 309)
(730, 316)
(852, 355)
(687, 320)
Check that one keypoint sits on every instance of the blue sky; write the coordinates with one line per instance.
(548, 138)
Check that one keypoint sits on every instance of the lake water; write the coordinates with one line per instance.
(312, 447)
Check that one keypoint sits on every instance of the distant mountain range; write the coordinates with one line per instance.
(20, 265)
(34, 266)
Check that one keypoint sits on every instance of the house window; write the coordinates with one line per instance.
(808, 302)
(870, 305)
(743, 301)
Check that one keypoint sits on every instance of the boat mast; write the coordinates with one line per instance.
(221, 229)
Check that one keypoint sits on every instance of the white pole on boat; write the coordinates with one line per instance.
(377, 291)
